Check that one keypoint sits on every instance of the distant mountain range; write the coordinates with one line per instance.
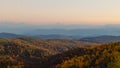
(82, 31)
(102, 39)
(69, 30)
(98, 39)
(52, 36)
(10, 35)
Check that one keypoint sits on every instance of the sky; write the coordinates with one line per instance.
(45, 12)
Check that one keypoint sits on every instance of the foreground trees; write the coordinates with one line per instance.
(103, 56)
(32, 53)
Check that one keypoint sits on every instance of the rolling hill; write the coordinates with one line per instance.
(39, 53)
(52, 36)
(102, 39)
(31, 53)
(101, 56)
(10, 35)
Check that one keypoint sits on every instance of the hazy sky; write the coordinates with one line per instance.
(92, 12)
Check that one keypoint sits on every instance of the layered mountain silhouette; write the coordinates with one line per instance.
(102, 39)
(10, 35)
(98, 39)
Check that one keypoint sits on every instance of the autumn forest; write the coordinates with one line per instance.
(39, 53)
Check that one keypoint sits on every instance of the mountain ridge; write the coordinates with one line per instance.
(102, 39)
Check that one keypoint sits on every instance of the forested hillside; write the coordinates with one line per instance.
(36, 53)
(32, 53)
(102, 56)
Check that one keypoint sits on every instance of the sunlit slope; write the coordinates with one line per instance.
(33, 52)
